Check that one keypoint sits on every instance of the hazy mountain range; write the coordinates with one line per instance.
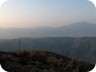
(80, 29)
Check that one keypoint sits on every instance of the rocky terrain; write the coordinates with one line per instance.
(41, 61)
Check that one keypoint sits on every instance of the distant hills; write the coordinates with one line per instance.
(76, 40)
(80, 29)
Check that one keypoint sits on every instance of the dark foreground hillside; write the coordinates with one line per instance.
(41, 61)
(73, 47)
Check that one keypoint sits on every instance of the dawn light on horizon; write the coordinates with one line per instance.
(54, 13)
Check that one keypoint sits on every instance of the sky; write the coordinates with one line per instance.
(38, 13)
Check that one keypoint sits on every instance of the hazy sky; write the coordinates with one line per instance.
(33, 13)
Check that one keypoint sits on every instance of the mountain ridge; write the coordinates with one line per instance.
(73, 47)
(80, 29)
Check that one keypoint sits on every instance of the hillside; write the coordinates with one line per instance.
(79, 48)
(41, 61)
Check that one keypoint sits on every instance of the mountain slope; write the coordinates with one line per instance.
(41, 61)
(79, 48)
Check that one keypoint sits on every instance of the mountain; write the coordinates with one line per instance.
(80, 29)
(41, 61)
(83, 48)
